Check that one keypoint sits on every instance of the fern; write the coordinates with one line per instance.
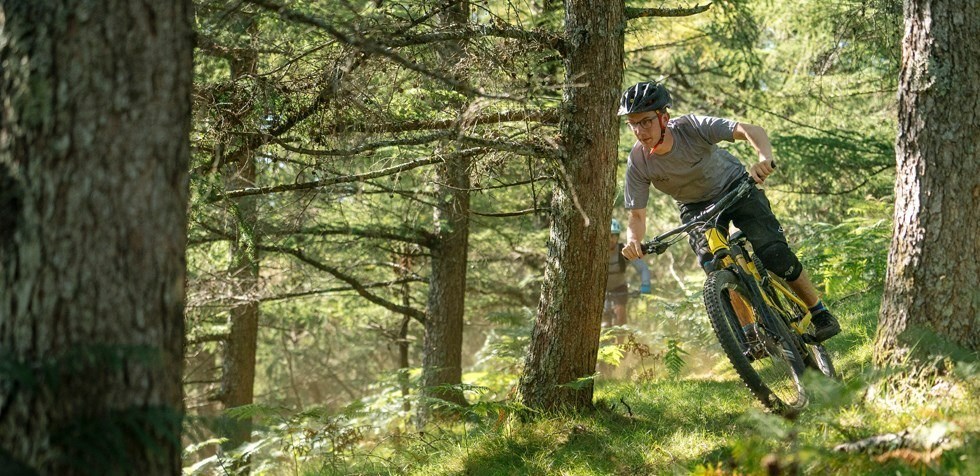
(674, 357)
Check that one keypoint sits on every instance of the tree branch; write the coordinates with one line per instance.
(543, 38)
(346, 178)
(354, 283)
(518, 148)
(368, 46)
(632, 12)
(527, 211)
(254, 141)
(546, 116)
(846, 191)
(421, 237)
(222, 337)
(323, 98)
(315, 292)
(418, 140)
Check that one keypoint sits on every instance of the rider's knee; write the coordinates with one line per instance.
(781, 261)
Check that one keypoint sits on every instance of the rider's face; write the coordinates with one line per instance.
(645, 126)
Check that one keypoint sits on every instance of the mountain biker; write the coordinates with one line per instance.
(617, 289)
(679, 157)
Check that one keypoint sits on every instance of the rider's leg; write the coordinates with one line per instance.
(754, 217)
(804, 289)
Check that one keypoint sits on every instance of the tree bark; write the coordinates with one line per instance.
(930, 291)
(565, 338)
(443, 344)
(94, 129)
(443, 341)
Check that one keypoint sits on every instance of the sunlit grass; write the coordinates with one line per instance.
(695, 425)
(650, 418)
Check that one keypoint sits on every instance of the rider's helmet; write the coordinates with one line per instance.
(615, 228)
(643, 97)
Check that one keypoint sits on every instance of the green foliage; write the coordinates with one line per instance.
(283, 440)
(928, 444)
(580, 383)
(708, 426)
(610, 354)
(674, 357)
(850, 256)
(819, 76)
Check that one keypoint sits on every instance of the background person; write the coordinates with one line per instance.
(616, 308)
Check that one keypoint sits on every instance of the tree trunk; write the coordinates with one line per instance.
(443, 341)
(94, 129)
(565, 339)
(931, 287)
(238, 363)
(442, 350)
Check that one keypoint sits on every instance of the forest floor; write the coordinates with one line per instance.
(712, 425)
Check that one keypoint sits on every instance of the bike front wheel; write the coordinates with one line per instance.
(774, 371)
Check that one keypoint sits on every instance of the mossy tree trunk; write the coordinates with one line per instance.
(565, 338)
(94, 131)
(931, 287)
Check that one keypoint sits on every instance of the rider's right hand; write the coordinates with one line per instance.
(632, 250)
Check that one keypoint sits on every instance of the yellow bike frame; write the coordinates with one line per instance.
(718, 241)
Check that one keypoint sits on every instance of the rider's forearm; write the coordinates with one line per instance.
(757, 138)
(636, 225)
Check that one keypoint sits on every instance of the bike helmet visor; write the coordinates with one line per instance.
(643, 97)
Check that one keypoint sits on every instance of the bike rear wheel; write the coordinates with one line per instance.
(776, 378)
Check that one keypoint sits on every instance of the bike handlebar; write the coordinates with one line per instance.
(659, 244)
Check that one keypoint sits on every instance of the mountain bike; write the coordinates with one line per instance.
(741, 292)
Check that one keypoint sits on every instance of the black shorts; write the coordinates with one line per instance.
(752, 214)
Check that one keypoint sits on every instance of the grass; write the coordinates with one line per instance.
(701, 425)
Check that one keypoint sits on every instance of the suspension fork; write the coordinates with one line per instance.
(756, 296)
(749, 277)
(722, 254)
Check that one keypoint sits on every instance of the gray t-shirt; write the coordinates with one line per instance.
(695, 169)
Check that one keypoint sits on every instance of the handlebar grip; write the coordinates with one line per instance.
(653, 246)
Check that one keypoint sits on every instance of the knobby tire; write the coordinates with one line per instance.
(784, 357)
